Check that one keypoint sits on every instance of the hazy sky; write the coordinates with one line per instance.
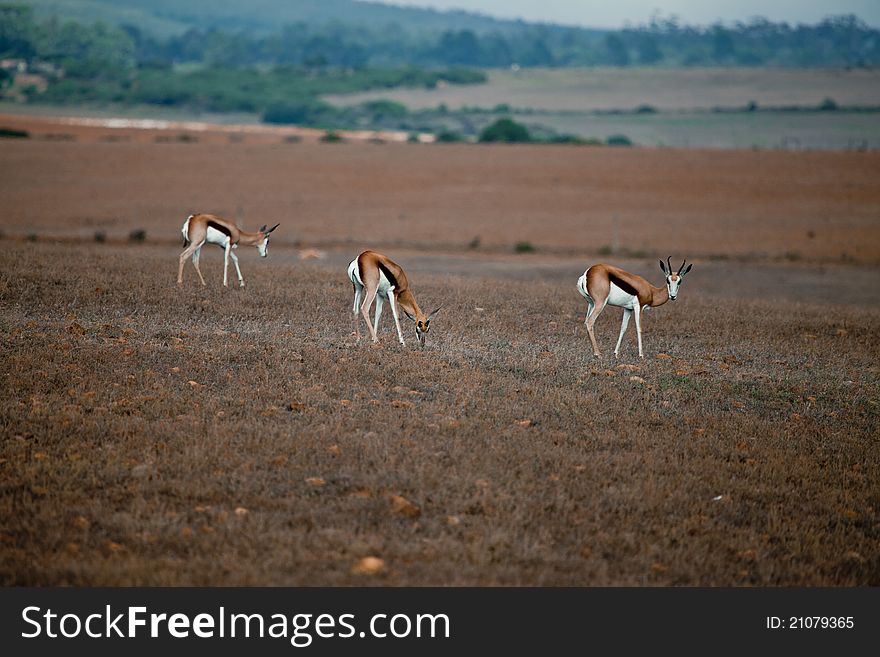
(614, 13)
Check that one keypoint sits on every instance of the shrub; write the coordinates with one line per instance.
(646, 109)
(565, 139)
(505, 130)
(304, 112)
(524, 247)
(331, 137)
(828, 105)
(619, 140)
(100, 236)
(13, 133)
(449, 136)
(137, 235)
(381, 109)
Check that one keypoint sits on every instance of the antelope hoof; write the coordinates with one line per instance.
(241, 284)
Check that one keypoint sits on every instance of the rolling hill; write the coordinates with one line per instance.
(164, 18)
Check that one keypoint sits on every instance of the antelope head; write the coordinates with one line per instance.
(263, 244)
(673, 279)
(423, 324)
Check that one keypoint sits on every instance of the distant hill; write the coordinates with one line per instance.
(163, 18)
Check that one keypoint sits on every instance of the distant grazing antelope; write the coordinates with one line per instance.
(199, 229)
(601, 285)
(375, 276)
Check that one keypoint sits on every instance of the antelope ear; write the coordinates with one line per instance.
(663, 268)
(408, 315)
(272, 228)
(263, 228)
(434, 313)
(686, 270)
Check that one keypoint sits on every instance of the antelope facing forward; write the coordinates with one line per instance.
(199, 229)
(601, 285)
(375, 276)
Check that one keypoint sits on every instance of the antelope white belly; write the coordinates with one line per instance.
(384, 284)
(617, 297)
(215, 236)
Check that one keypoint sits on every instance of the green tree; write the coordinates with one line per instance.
(647, 50)
(18, 32)
(615, 50)
(505, 130)
(722, 44)
(462, 47)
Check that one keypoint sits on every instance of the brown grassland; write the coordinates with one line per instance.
(162, 436)
(610, 88)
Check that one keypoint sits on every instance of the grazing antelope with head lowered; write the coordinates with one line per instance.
(604, 284)
(374, 276)
(199, 229)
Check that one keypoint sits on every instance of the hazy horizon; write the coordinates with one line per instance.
(635, 12)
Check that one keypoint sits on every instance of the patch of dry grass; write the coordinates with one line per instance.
(226, 437)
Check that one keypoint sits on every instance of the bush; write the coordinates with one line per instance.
(565, 139)
(13, 133)
(447, 136)
(304, 112)
(619, 140)
(828, 105)
(524, 247)
(505, 130)
(382, 109)
(137, 235)
(331, 137)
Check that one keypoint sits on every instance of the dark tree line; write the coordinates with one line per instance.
(101, 51)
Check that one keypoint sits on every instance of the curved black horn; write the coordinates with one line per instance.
(668, 266)
(682, 266)
(273, 228)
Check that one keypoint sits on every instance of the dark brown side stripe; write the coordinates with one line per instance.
(623, 285)
(391, 278)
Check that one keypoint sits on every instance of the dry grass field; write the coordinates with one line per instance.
(578, 89)
(243, 437)
(567, 100)
(162, 436)
(813, 206)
